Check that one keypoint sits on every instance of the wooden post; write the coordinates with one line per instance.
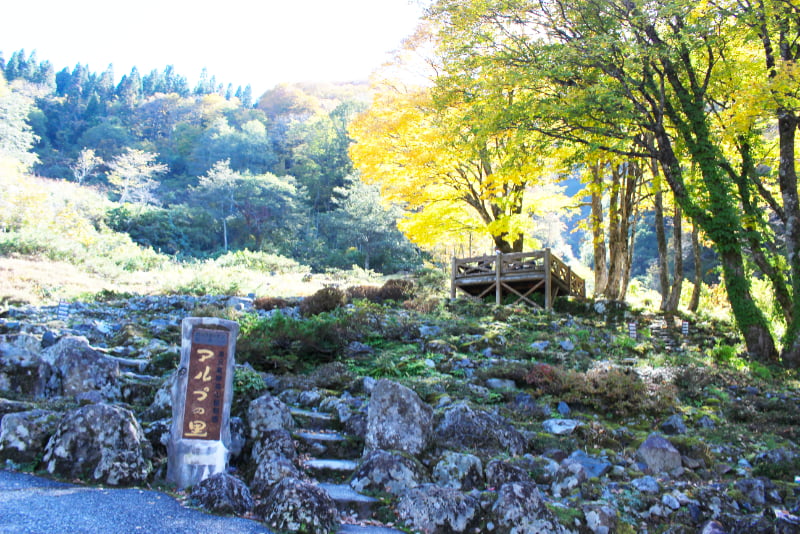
(498, 289)
(453, 278)
(202, 392)
(569, 281)
(548, 281)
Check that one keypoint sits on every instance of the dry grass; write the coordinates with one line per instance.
(37, 281)
(41, 281)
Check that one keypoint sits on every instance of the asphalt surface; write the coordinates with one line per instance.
(36, 505)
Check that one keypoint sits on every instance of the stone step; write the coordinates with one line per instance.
(349, 501)
(312, 420)
(328, 443)
(330, 470)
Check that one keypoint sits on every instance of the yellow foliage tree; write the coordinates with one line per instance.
(453, 172)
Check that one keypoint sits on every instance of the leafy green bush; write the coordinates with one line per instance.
(282, 343)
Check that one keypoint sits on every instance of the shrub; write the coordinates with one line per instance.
(546, 378)
(397, 289)
(370, 293)
(326, 299)
(281, 343)
(270, 303)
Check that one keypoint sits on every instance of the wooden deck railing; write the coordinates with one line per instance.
(521, 273)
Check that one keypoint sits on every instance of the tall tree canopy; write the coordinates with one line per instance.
(677, 82)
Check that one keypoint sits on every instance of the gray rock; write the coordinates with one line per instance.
(571, 474)
(674, 425)
(80, 369)
(270, 471)
(560, 427)
(520, 508)
(238, 437)
(646, 484)
(437, 510)
(389, 472)
(297, 506)
(499, 472)
(526, 404)
(102, 442)
(463, 427)
(567, 345)
(753, 489)
(458, 471)
(272, 443)
(222, 493)
(670, 501)
(659, 455)
(600, 519)
(775, 456)
(22, 369)
(595, 467)
(397, 419)
(540, 346)
(499, 384)
(712, 527)
(426, 331)
(563, 408)
(23, 435)
(268, 413)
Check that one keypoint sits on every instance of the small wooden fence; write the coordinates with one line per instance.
(520, 274)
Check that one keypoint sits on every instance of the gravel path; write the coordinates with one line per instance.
(35, 505)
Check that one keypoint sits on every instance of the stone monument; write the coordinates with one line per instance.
(202, 392)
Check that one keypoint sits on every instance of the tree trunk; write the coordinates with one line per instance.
(677, 279)
(598, 233)
(694, 303)
(616, 239)
(661, 241)
(787, 179)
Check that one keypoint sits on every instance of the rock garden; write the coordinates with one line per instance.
(372, 410)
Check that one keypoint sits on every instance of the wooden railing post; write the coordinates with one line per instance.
(548, 281)
(498, 289)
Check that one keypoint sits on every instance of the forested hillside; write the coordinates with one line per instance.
(200, 170)
(665, 134)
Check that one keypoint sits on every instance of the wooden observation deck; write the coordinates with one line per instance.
(520, 274)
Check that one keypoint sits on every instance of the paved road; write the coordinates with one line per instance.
(35, 505)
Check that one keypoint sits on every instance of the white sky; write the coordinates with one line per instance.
(256, 42)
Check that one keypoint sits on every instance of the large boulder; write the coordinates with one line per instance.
(486, 434)
(520, 509)
(436, 510)
(388, 472)
(79, 369)
(273, 443)
(458, 471)
(101, 442)
(270, 471)
(499, 472)
(268, 413)
(297, 506)
(397, 419)
(222, 493)
(22, 369)
(23, 435)
(659, 455)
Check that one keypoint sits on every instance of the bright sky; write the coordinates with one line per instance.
(256, 42)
